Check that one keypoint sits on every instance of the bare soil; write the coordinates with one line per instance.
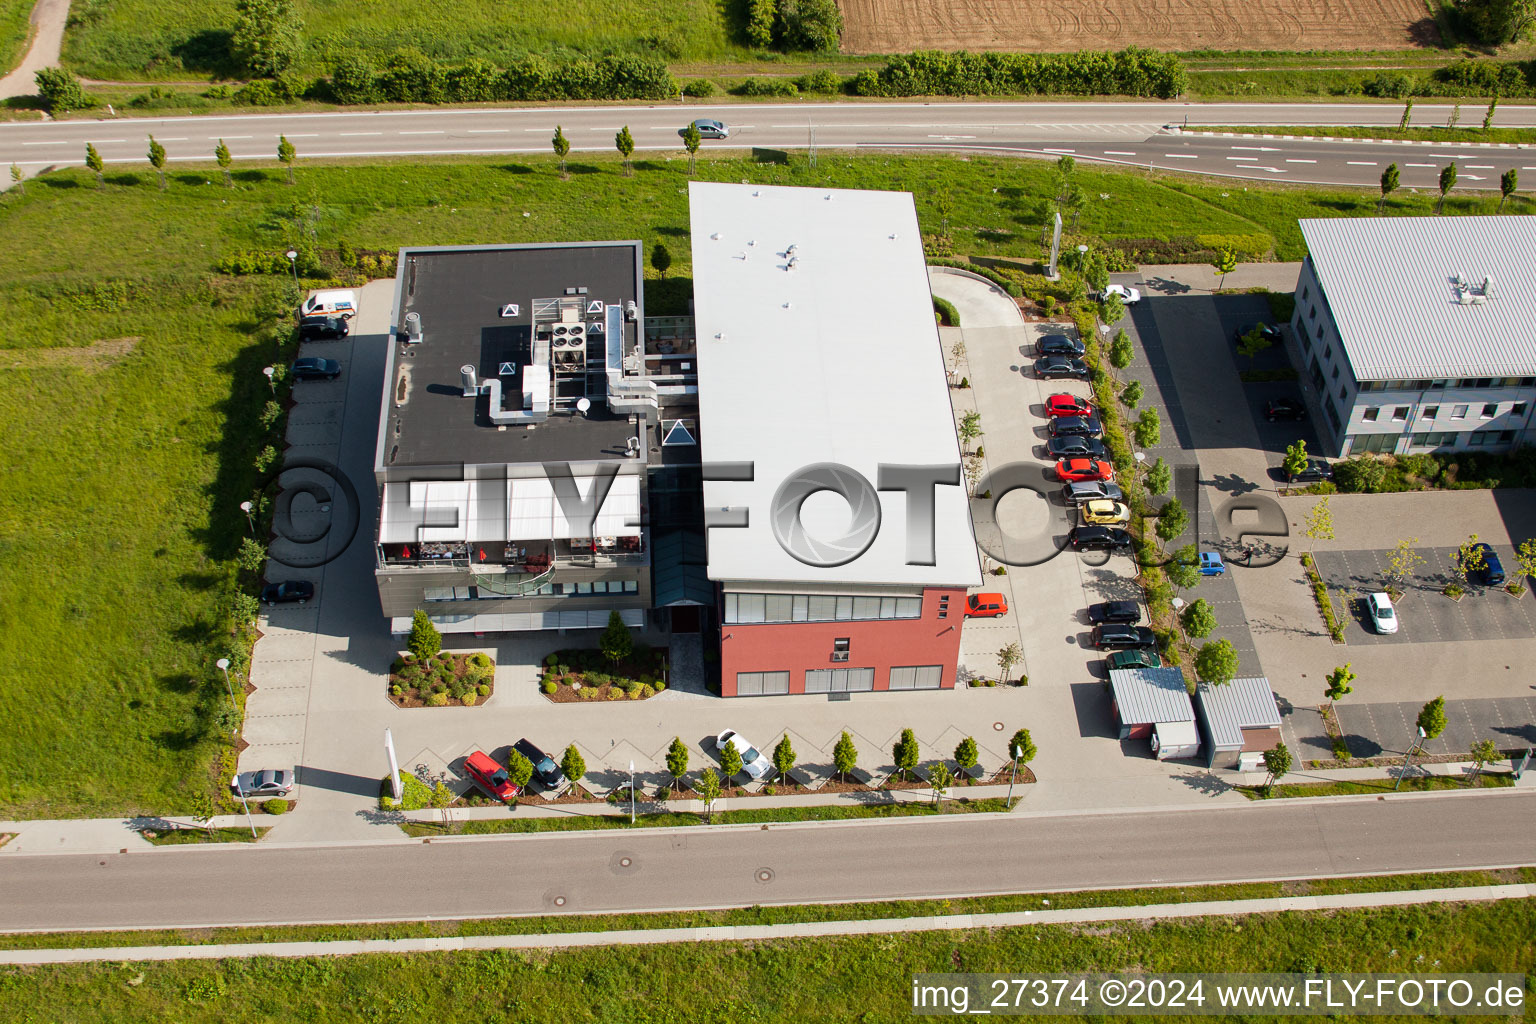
(1001, 778)
(1044, 26)
(415, 698)
(567, 694)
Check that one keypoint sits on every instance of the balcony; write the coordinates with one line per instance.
(533, 558)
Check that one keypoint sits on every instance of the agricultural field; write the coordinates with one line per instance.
(892, 26)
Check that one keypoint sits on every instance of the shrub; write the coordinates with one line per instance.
(483, 690)
(761, 15)
(397, 691)
(614, 693)
(825, 81)
(699, 88)
(469, 699)
(646, 690)
(809, 24)
(767, 87)
(658, 685)
(1360, 474)
(437, 699)
(634, 694)
(1129, 72)
(481, 660)
(60, 90)
(1388, 85)
(552, 660)
(275, 806)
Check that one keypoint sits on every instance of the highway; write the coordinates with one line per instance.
(1127, 133)
(658, 869)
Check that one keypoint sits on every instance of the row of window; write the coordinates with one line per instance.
(1429, 412)
(1441, 383)
(547, 590)
(1359, 443)
(742, 608)
(839, 680)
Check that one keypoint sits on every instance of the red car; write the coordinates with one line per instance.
(490, 776)
(1075, 470)
(1068, 405)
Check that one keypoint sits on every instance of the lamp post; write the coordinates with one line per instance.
(270, 372)
(223, 664)
(1013, 771)
(250, 520)
(240, 791)
(631, 792)
(293, 263)
(1408, 758)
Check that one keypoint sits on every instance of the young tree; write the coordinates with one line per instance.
(1455, 118)
(616, 643)
(1319, 522)
(1467, 559)
(1111, 309)
(1065, 165)
(1007, 657)
(661, 260)
(905, 753)
(203, 810)
(573, 764)
(1199, 619)
(286, 154)
(562, 147)
(1508, 183)
(677, 760)
(425, 641)
(1159, 476)
(943, 205)
(519, 770)
(845, 756)
(1075, 201)
(1226, 262)
(1431, 720)
(966, 755)
(18, 180)
(157, 160)
(1021, 748)
(969, 428)
(691, 140)
(221, 154)
(1525, 562)
(1149, 428)
(93, 161)
(1447, 182)
(252, 556)
(1493, 104)
(1295, 459)
(939, 778)
(626, 146)
(1131, 395)
(1338, 684)
(1483, 751)
(1251, 344)
(1216, 662)
(730, 762)
(709, 792)
(1172, 520)
(267, 36)
(1407, 113)
(1403, 563)
(1277, 762)
(1389, 182)
(1120, 350)
(442, 801)
(1183, 568)
(784, 758)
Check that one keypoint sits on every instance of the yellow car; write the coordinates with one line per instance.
(1105, 513)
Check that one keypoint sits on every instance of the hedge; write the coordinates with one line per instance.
(408, 76)
(1129, 72)
(947, 311)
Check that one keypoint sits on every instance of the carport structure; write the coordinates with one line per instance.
(1239, 721)
(1152, 703)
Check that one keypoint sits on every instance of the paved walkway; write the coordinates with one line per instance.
(48, 20)
(760, 933)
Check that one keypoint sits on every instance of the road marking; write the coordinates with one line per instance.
(1419, 165)
(1242, 158)
(61, 142)
(1361, 163)
(223, 137)
(306, 135)
(103, 142)
(1259, 149)
(1117, 152)
(425, 131)
(488, 131)
(359, 133)
(1473, 177)
(180, 139)
(1480, 167)
(957, 137)
(1290, 160)
(1043, 151)
(1183, 156)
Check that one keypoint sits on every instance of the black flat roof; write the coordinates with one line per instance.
(460, 293)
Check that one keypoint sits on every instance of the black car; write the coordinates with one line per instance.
(1125, 612)
(1316, 469)
(314, 368)
(1060, 345)
(1078, 426)
(1122, 636)
(1284, 409)
(1269, 332)
(1489, 571)
(1061, 366)
(1076, 447)
(1098, 538)
(544, 767)
(288, 591)
(322, 328)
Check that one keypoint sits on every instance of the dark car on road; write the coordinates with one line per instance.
(322, 328)
(544, 767)
(1057, 367)
(1484, 565)
(287, 592)
(1284, 410)
(1098, 538)
(1059, 345)
(1123, 636)
(271, 782)
(1315, 470)
(1114, 611)
(1076, 447)
(315, 368)
(1082, 426)
(1269, 332)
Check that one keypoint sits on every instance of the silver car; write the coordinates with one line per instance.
(269, 782)
(752, 760)
(1091, 490)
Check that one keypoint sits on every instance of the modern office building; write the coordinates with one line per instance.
(839, 533)
(1419, 333)
(521, 425)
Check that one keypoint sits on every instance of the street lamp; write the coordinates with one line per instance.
(223, 664)
(631, 792)
(1408, 758)
(240, 792)
(1013, 771)
(250, 520)
(293, 262)
(270, 372)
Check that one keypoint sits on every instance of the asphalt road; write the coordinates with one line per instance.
(656, 869)
(1124, 133)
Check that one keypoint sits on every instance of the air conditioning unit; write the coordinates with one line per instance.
(577, 330)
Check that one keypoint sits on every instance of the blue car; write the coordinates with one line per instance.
(1211, 564)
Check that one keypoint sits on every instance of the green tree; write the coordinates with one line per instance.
(905, 753)
(93, 161)
(157, 160)
(1075, 200)
(969, 428)
(1021, 748)
(286, 154)
(1525, 561)
(562, 146)
(691, 140)
(709, 792)
(267, 36)
(1389, 183)
(616, 643)
(1431, 720)
(1065, 165)
(1455, 118)
(1159, 476)
(940, 779)
(1447, 182)
(442, 800)
(809, 24)
(60, 90)
(1172, 520)
(730, 761)
(845, 756)
(203, 811)
(1007, 657)
(1407, 113)
(1251, 344)
(1183, 568)
(252, 556)
(519, 770)
(1319, 522)
(1131, 395)
(1495, 21)
(1493, 105)
(966, 754)
(1199, 619)
(1225, 263)
(943, 206)
(1508, 183)
(1404, 561)
(1338, 684)
(677, 760)
(661, 259)
(573, 764)
(784, 758)
(626, 146)
(1149, 428)
(1296, 459)
(1277, 762)
(1111, 309)
(221, 154)
(1483, 751)
(1467, 559)
(1216, 662)
(424, 641)
(1120, 351)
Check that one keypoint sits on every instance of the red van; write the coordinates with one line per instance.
(979, 606)
(490, 776)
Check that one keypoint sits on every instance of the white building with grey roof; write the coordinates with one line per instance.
(1419, 333)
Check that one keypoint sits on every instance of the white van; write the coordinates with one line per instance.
(338, 303)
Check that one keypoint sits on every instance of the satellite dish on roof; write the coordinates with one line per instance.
(583, 404)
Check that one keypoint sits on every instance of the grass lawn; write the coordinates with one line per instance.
(1418, 784)
(184, 836)
(133, 382)
(15, 27)
(1472, 133)
(843, 979)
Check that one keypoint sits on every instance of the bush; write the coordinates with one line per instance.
(949, 316)
(1360, 474)
(552, 660)
(483, 690)
(408, 76)
(1129, 72)
(825, 81)
(275, 806)
(397, 691)
(761, 15)
(481, 660)
(809, 24)
(767, 87)
(437, 699)
(699, 88)
(646, 690)
(658, 685)
(469, 699)
(614, 693)
(60, 90)
(1392, 85)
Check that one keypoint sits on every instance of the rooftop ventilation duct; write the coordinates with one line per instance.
(413, 328)
(467, 381)
(625, 394)
(535, 389)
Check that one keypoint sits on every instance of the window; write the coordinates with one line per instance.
(1400, 413)
(844, 608)
(839, 680)
(631, 586)
(780, 607)
(1333, 416)
(866, 608)
(1319, 332)
(917, 677)
(1419, 385)
(761, 684)
(823, 609)
(437, 594)
(1506, 436)
(1304, 293)
(750, 608)
(1369, 415)
(1429, 412)
(1490, 410)
(840, 649)
(1458, 412)
(1438, 385)
(586, 588)
(1335, 375)
(1438, 439)
(1343, 388)
(912, 607)
(744, 608)
(1518, 409)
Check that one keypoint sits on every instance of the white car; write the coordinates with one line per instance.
(1383, 617)
(752, 760)
(1128, 295)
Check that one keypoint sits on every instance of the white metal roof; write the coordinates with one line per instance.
(1246, 703)
(1391, 283)
(836, 360)
(1145, 695)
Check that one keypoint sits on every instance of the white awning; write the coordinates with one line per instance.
(534, 513)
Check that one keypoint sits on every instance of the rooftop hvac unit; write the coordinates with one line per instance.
(562, 330)
(467, 380)
(577, 330)
(413, 327)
